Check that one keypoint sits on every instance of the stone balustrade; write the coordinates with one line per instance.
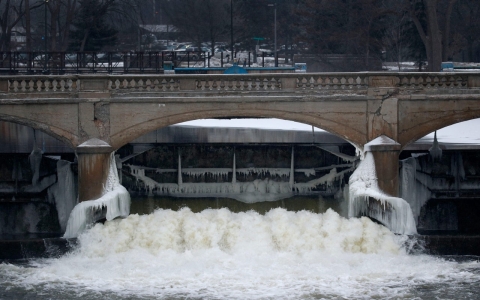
(239, 82)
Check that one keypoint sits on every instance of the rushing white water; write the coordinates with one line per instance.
(217, 254)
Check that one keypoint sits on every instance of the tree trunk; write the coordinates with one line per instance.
(84, 41)
(28, 33)
(431, 37)
(446, 33)
(54, 7)
(71, 9)
(434, 37)
(4, 45)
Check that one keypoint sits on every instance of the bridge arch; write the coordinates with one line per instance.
(352, 135)
(429, 126)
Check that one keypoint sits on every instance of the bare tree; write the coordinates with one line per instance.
(200, 20)
(344, 27)
(11, 13)
(466, 25)
(395, 37)
(435, 39)
(97, 22)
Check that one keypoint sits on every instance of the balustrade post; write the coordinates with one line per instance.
(187, 84)
(289, 83)
(4, 85)
(94, 83)
(473, 81)
(382, 85)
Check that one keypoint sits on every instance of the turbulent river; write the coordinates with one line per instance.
(217, 254)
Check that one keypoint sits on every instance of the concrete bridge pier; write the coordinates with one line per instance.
(386, 153)
(93, 168)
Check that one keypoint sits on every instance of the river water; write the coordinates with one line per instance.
(217, 254)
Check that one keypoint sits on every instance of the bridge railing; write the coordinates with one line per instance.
(59, 63)
(152, 62)
(237, 82)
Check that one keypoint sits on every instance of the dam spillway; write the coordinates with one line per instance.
(294, 246)
(233, 168)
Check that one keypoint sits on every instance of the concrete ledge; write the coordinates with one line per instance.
(382, 143)
(94, 146)
(451, 244)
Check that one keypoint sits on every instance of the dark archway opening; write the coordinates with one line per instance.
(37, 183)
(442, 183)
(238, 168)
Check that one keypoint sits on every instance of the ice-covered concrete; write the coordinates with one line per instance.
(115, 199)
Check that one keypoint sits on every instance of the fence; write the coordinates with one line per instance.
(111, 62)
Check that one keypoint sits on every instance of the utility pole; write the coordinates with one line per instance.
(45, 69)
(231, 27)
(275, 32)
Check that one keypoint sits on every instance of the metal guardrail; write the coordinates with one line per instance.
(59, 63)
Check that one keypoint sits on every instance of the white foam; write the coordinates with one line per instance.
(217, 254)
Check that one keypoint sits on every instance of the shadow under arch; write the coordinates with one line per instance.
(351, 135)
(62, 135)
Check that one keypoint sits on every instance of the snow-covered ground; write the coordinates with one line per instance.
(467, 132)
(251, 123)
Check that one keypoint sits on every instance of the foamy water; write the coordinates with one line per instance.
(217, 254)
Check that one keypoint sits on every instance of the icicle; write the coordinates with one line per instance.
(35, 159)
(327, 179)
(435, 150)
(335, 151)
(292, 170)
(119, 165)
(63, 192)
(179, 170)
(234, 175)
(414, 186)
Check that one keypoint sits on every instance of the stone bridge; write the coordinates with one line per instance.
(97, 114)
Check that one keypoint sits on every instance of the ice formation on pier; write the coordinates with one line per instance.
(63, 192)
(365, 198)
(249, 192)
(335, 151)
(420, 180)
(35, 159)
(414, 185)
(271, 184)
(115, 199)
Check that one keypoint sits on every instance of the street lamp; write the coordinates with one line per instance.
(275, 30)
(45, 38)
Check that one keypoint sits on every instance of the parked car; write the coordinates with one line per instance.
(267, 52)
(191, 53)
(219, 50)
(289, 49)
